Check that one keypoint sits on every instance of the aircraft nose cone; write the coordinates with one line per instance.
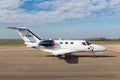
(99, 48)
(103, 48)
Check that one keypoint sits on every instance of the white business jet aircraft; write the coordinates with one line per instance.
(57, 47)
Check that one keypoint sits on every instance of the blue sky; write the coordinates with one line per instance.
(69, 19)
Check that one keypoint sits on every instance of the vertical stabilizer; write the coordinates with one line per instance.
(26, 35)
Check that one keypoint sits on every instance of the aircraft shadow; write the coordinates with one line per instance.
(97, 56)
(71, 58)
(74, 59)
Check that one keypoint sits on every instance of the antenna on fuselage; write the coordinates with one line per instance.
(50, 38)
(59, 38)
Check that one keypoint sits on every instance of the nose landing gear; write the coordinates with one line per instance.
(94, 56)
(92, 51)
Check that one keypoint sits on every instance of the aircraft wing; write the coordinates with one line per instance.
(63, 51)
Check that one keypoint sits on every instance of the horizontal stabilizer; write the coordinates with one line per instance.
(19, 28)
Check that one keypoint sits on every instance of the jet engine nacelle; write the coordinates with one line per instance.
(47, 43)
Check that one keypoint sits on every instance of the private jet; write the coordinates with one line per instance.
(59, 47)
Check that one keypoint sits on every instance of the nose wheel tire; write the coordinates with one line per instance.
(92, 50)
(94, 56)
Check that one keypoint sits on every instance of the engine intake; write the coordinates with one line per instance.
(47, 43)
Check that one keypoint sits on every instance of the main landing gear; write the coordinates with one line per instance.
(62, 56)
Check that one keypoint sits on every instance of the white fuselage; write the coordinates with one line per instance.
(56, 47)
(66, 46)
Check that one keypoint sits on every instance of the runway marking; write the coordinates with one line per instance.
(113, 51)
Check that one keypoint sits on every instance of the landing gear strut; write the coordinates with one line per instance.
(92, 50)
(61, 56)
(94, 56)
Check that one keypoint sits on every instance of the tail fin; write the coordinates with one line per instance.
(26, 35)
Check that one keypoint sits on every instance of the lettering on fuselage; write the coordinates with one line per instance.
(27, 35)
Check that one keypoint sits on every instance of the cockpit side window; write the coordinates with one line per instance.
(83, 43)
(88, 43)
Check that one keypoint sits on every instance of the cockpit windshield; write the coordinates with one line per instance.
(86, 43)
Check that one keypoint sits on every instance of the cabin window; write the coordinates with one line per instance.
(61, 42)
(71, 43)
(66, 42)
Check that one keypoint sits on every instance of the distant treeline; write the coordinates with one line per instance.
(103, 39)
(11, 39)
(11, 42)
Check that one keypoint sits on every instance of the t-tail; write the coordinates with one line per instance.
(30, 39)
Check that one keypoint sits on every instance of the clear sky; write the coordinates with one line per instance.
(68, 19)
